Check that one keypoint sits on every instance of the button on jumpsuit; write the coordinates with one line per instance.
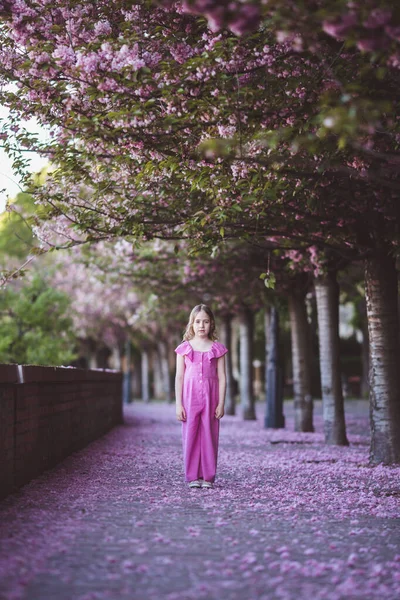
(200, 394)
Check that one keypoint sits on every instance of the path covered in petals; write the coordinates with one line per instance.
(289, 518)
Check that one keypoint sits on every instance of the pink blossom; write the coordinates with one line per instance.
(373, 43)
(64, 54)
(339, 28)
(377, 18)
(102, 28)
(393, 32)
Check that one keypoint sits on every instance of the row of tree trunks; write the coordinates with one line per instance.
(384, 343)
(159, 360)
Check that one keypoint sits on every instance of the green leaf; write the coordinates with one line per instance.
(270, 281)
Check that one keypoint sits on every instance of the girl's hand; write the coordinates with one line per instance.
(219, 411)
(180, 413)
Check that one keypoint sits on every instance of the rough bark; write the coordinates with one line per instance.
(226, 338)
(383, 329)
(364, 384)
(327, 295)
(246, 326)
(301, 363)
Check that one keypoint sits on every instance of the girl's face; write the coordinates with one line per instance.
(202, 324)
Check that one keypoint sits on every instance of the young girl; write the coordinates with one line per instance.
(200, 387)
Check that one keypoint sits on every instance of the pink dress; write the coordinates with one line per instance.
(200, 398)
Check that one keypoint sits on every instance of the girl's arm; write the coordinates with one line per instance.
(180, 371)
(219, 411)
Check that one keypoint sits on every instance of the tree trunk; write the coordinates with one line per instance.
(397, 265)
(364, 384)
(301, 365)
(235, 357)
(93, 360)
(136, 384)
(145, 376)
(103, 355)
(274, 392)
(116, 358)
(327, 294)
(127, 377)
(165, 374)
(311, 304)
(158, 388)
(226, 334)
(383, 328)
(246, 321)
(267, 324)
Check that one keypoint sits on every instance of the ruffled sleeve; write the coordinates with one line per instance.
(185, 349)
(218, 350)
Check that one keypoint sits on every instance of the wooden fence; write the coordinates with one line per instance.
(47, 413)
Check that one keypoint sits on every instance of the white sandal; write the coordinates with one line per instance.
(195, 484)
(207, 484)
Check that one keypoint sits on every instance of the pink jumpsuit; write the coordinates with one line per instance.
(200, 398)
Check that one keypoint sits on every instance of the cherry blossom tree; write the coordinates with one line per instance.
(368, 26)
(162, 128)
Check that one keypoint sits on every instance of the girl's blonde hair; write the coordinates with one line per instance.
(189, 331)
